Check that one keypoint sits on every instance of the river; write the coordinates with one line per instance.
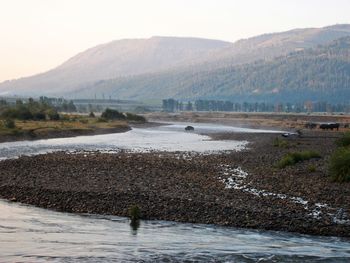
(30, 234)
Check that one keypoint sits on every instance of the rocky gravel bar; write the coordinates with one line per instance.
(241, 189)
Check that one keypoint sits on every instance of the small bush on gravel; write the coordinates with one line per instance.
(311, 168)
(339, 165)
(344, 141)
(280, 143)
(295, 157)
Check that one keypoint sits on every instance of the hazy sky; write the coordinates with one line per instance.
(37, 35)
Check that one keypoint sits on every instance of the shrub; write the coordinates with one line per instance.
(311, 168)
(280, 143)
(23, 113)
(339, 165)
(20, 112)
(134, 213)
(9, 124)
(135, 117)
(344, 140)
(92, 114)
(39, 116)
(295, 157)
(110, 114)
(53, 115)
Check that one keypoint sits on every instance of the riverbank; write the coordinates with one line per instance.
(287, 121)
(241, 189)
(36, 130)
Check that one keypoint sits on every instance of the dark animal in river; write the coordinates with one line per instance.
(189, 128)
(329, 126)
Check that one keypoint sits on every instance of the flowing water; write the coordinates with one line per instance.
(163, 138)
(29, 234)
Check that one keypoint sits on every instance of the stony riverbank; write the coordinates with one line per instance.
(187, 187)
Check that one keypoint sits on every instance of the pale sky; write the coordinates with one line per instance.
(37, 35)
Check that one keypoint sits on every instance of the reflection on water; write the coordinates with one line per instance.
(135, 224)
(30, 234)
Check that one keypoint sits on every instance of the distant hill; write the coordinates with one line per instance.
(115, 59)
(162, 67)
(321, 73)
(269, 46)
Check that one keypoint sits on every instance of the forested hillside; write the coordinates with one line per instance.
(322, 73)
(161, 67)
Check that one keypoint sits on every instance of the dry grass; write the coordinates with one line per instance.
(85, 123)
(70, 123)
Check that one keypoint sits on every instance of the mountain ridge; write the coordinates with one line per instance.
(128, 58)
(321, 73)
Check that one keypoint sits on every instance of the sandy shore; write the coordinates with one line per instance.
(187, 187)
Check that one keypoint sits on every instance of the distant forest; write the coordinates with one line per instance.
(171, 105)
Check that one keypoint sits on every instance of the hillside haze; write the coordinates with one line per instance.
(162, 67)
(115, 59)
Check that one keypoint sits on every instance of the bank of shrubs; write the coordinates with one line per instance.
(32, 110)
(110, 114)
(339, 164)
(295, 157)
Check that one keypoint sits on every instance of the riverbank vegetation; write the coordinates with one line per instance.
(296, 157)
(40, 119)
(339, 164)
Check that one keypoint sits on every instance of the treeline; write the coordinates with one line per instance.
(42, 109)
(172, 105)
(59, 104)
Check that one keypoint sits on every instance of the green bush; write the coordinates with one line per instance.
(339, 165)
(92, 114)
(53, 115)
(20, 112)
(344, 140)
(295, 157)
(135, 117)
(311, 168)
(110, 114)
(39, 116)
(280, 143)
(134, 213)
(9, 124)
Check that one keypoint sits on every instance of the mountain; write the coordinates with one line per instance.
(269, 46)
(162, 67)
(116, 59)
(321, 73)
